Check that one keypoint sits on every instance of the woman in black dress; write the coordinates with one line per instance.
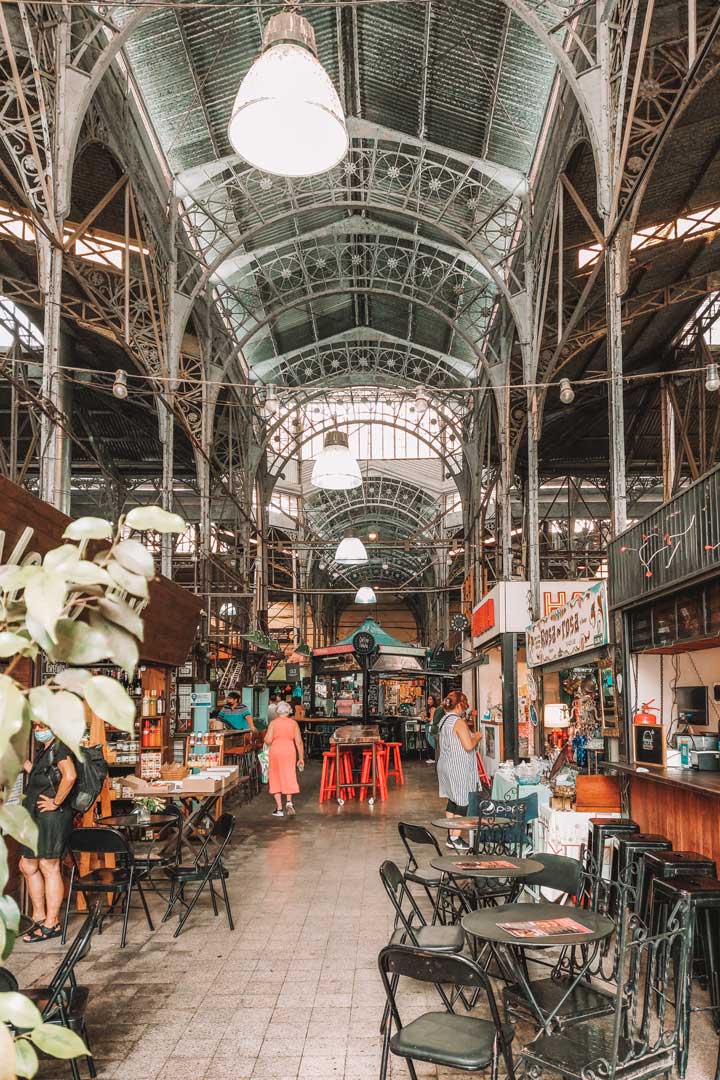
(51, 777)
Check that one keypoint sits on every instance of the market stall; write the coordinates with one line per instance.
(495, 676)
(372, 675)
(571, 678)
(665, 599)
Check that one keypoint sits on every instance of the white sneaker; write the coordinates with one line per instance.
(278, 813)
(290, 809)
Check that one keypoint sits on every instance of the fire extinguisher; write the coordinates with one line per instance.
(645, 716)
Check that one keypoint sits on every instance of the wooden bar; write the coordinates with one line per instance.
(681, 804)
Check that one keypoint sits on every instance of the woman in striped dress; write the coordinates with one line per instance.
(457, 765)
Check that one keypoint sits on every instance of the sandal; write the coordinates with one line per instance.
(40, 932)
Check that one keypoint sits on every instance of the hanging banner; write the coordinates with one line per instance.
(572, 629)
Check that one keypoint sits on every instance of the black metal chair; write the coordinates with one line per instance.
(560, 874)
(635, 1040)
(63, 1002)
(164, 849)
(207, 869)
(120, 880)
(411, 925)
(465, 1043)
(414, 836)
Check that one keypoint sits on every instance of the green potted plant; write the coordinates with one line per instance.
(79, 609)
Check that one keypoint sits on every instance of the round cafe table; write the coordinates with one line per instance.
(464, 824)
(133, 821)
(507, 949)
(479, 866)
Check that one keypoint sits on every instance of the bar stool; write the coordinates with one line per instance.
(328, 785)
(601, 830)
(396, 772)
(669, 865)
(381, 774)
(631, 850)
(704, 896)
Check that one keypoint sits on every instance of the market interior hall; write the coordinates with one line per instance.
(359, 539)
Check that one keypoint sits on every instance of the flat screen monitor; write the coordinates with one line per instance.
(692, 705)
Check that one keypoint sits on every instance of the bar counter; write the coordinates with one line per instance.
(681, 804)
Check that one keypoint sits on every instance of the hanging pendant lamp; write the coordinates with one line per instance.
(365, 595)
(351, 552)
(335, 467)
(287, 118)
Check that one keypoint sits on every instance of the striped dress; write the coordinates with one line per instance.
(457, 767)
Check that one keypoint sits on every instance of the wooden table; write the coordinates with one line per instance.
(507, 949)
(351, 737)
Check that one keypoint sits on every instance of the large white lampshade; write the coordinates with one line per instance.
(287, 118)
(335, 467)
(365, 595)
(351, 552)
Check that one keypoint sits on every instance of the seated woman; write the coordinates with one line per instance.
(51, 777)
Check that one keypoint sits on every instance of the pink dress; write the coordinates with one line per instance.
(282, 755)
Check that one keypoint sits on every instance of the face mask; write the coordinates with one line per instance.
(44, 736)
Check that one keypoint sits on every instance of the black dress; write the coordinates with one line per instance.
(54, 826)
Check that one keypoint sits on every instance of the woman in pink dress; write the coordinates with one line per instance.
(286, 755)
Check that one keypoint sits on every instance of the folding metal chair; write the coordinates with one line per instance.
(207, 869)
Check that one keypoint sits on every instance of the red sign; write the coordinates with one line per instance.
(483, 618)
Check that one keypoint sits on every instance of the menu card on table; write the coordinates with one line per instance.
(485, 864)
(544, 928)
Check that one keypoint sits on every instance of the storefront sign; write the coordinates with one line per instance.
(575, 628)
(483, 618)
(293, 672)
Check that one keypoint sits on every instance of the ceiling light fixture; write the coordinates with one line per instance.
(335, 467)
(372, 535)
(422, 402)
(120, 386)
(351, 552)
(287, 118)
(272, 403)
(567, 394)
(365, 595)
(712, 378)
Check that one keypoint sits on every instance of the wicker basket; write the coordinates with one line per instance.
(174, 771)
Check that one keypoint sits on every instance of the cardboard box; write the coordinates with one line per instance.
(200, 785)
(141, 787)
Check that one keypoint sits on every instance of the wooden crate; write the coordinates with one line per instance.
(601, 793)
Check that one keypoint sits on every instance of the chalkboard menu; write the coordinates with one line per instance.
(374, 696)
(307, 694)
(649, 745)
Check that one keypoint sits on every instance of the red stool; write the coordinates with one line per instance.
(393, 749)
(381, 773)
(328, 786)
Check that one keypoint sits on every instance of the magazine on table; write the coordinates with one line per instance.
(485, 864)
(541, 928)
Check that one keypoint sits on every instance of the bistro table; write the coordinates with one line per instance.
(507, 949)
(478, 866)
(134, 821)
(355, 737)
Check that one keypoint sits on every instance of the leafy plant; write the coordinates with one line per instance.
(79, 610)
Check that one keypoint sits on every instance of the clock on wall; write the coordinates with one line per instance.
(459, 623)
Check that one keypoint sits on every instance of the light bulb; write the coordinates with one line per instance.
(372, 536)
(567, 394)
(712, 378)
(272, 404)
(335, 467)
(287, 118)
(351, 552)
(422, 403)
(120, 386)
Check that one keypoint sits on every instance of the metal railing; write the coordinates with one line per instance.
(677, 542)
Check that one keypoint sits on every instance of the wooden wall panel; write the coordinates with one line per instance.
(690, 820)
(171, 617)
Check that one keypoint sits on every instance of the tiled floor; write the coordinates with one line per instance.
(294, 991)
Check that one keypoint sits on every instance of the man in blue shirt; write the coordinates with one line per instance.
(236, 715)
